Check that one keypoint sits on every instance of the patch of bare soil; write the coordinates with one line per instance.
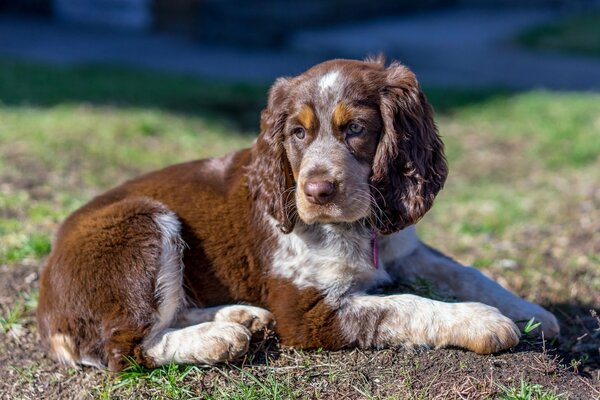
(26, 370)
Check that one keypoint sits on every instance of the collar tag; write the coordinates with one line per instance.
(375, 249)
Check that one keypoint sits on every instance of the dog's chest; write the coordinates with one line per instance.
(332, 258)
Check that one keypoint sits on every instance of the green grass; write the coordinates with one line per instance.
(66, 133)
(36, 85)
(530, 326)
(167, 381)
(507, 156)
(578, 34)
(25, 223)
(11, 317)
(175, 382)
(102, 142)
(528, 391)
(35, 246)
(557, 129)
(246, 386)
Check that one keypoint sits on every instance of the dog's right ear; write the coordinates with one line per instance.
(270, 177)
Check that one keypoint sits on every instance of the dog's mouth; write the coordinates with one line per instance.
(342, 208)
(323, 214)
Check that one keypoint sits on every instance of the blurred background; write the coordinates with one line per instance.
(94, 92)
(470, 42)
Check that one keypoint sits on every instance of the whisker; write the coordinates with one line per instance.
(377, 205)
(289, 204)
(378, 191)
(369, 200)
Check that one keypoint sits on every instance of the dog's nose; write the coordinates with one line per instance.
(318, 191)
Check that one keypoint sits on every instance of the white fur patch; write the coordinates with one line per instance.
(207, 343)
(91, 362)
(328, 80)
(333, 258)
(67, 353)
(337, 260)
(217, 167)
(64, 349)
(169, 282)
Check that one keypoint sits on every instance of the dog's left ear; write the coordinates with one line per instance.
(409, 168)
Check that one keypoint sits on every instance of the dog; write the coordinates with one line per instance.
(187, 263)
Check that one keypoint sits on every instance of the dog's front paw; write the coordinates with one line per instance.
(256, 319)
(482, 329)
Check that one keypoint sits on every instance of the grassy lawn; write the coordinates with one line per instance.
(522, 203)
(578, 34)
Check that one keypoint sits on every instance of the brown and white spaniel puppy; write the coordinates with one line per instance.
(182, 264)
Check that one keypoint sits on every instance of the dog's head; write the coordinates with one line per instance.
(346, 141)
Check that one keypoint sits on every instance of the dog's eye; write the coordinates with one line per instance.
(299, 132)
(355, 129)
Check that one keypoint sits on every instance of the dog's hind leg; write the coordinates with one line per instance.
(112, 290)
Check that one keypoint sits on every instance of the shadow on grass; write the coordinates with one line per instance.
(580, 335)
(236, 104)
(233, 103)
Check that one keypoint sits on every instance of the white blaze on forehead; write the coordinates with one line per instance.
(328, 80)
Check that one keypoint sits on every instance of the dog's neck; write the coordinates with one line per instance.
(334, 257)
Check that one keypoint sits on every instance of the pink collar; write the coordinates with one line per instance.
(375, 248)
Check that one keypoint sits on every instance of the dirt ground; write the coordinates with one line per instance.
(26, 370)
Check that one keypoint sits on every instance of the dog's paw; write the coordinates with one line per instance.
(256, 319)
(221, 342)
(205, 343)
(482, 329)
